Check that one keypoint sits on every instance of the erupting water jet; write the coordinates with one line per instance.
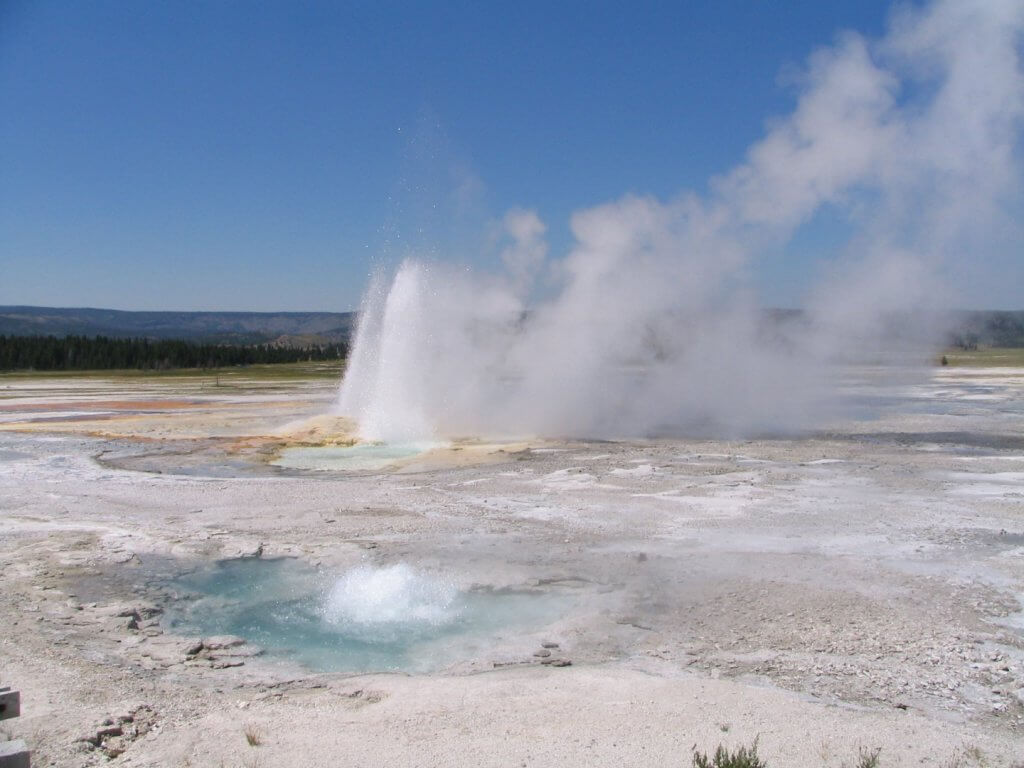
(652, 329)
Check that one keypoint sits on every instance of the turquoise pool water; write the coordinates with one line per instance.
(394, 618)
(363, 457)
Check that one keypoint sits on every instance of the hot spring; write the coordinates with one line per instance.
(362, 457)
(367, 619)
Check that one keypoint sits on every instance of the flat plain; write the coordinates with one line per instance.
(854, 588)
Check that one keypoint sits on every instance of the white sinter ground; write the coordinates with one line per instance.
(855, 588)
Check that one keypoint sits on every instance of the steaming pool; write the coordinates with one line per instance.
(363, 457)
(367, 619)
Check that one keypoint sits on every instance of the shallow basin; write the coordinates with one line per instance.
(363, 457)
(392, 618)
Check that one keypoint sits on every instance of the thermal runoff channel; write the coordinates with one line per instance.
(911, 140)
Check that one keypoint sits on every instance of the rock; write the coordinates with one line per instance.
(107, 731)
(148, 610)
(194, 648)
(249, 551)
(543, 653)
(217, 642)
(549, 644)
(247, 651)
(556, 662)
(228, 662)
(124, 618)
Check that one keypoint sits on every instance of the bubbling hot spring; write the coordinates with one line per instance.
(368, 618)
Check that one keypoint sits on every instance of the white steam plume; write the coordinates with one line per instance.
(913, 138)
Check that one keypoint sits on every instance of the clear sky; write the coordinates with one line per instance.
(262, 156)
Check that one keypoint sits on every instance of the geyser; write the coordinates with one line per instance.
(912, 141)
(388, 347)
(379, 599)
(393, 617)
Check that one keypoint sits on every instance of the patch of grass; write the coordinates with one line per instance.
(986, 357)
(253, 736)
(969, 755)
(742, 757)
(974, 753)
(868, 758)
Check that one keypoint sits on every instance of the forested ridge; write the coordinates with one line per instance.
(234, 328)
(88, 353)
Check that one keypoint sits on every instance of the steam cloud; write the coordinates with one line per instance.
(913, 139)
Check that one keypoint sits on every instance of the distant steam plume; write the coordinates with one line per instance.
(914, 139)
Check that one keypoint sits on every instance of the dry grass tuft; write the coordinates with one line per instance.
(868, 758)
(742, 757)
(253, 736)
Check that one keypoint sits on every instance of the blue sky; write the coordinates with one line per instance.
(264, 156)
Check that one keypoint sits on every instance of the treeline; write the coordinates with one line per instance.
(85, 353)
(992, 329)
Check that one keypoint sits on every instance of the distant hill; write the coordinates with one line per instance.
(283, 328)
(962, 328)
(306, 329)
